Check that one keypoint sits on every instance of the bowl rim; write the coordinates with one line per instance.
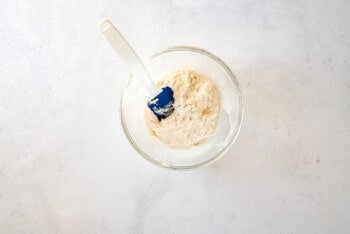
(225, 148)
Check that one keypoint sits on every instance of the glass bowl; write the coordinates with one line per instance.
(135, 97)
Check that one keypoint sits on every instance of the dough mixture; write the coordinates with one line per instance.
(196, 115)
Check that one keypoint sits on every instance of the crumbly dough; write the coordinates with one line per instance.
(196, 115)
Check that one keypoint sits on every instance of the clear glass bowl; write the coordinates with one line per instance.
(135, 96)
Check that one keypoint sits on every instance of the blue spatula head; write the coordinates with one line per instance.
(162, 104)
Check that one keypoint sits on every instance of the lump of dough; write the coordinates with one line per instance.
(196, 115)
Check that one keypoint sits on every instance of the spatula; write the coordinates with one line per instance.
(162, 103)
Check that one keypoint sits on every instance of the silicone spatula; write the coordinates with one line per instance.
(162, 103)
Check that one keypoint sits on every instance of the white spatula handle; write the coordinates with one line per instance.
(126, 53)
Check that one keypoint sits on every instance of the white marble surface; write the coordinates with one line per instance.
(66, 167)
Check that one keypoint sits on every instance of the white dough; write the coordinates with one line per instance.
(196, 115)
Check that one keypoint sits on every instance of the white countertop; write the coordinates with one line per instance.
(66, 166)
